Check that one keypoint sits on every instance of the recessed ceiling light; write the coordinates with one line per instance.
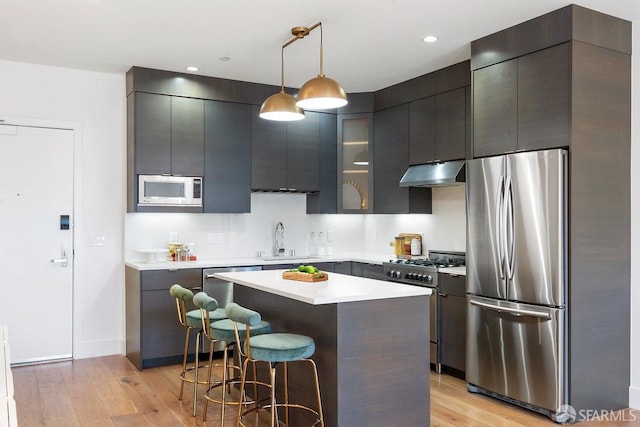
(430, 39)
(192, 68)
(224, 58)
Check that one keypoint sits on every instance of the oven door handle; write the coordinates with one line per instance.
(513, 311)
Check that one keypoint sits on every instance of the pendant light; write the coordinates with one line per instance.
(321, 92)
(281, 106)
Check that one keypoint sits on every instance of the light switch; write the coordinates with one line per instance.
(97, 239)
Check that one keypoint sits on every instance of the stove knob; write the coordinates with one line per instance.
(398, 274)
(408, 276)
(390, 273)
(421, 277)
(428, 278)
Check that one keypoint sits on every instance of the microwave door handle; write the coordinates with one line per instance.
(513, 311)
(498, 225)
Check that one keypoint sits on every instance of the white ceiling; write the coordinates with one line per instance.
(368, 44)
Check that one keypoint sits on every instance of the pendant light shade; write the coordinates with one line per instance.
(281, 107)
(321, 93)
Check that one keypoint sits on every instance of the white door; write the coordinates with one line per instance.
(36, 285)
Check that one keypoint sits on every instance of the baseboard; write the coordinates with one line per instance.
(634, 397)
(98, 348)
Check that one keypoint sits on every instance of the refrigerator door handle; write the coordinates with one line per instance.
(513, 311)
(510, 235)
(499, 225)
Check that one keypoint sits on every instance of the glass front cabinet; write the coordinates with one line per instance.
(354, 163)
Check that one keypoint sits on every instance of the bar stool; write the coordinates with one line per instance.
(273, 349)
(222, 331)
(192, 320)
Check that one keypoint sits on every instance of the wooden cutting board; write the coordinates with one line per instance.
(304, 277)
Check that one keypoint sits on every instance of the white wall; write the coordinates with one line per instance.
(95, 101)
(634, 390)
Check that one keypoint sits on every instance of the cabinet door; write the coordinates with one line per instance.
(268, 153)
(544, 98)
(373, 271)
(390, 160)
(422, 131)
(162, 337)
(152, 118)
(326, 201)
(495, 109)
(343, 267)
(355, 136)
(450, 133)
(187, 136)
(227, 159)
(303, 153)
(453, 331)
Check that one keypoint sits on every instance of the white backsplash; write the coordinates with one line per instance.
(219, 236)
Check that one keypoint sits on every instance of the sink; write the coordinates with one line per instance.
(287, 257)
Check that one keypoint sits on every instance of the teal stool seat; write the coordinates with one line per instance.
(222, 330)
(194, 319)
(281, 347)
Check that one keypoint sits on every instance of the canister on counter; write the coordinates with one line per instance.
(399, 248)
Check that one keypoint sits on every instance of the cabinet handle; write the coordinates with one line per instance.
(197, 289)
(292, 189)
(442, 294)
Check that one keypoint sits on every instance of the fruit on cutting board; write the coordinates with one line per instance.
(310, 269)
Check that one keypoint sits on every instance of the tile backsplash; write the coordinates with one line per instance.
(219, 236)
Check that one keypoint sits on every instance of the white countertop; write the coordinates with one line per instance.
(458, 271)
(338, 288)
(238, 262)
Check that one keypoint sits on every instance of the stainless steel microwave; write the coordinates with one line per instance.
(168, 190)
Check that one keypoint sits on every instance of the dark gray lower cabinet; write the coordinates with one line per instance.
(453, 321)
(154, 336)
(227, 157)
(370, 271)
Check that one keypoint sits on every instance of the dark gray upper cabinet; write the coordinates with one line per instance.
(303, 153)
(422, 131)
(437, 127)
(187, 136)
(390, 162)
(495, 109)
(285, 156)
(451, 124)
(268, 153)
(544, 98)
(227, 157)
(152, 133)
(326, 200)
(169, 135)
(523, 104)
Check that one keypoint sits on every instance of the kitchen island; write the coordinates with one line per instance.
(372, 342)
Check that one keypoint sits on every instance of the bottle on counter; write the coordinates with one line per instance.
(322, 244)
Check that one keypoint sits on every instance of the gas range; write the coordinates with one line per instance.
(422, 271)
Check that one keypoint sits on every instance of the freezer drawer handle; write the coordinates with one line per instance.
(513, 311)
(210, 276)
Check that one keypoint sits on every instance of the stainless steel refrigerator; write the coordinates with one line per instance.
(517, 279)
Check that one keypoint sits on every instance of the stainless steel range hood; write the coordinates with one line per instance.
(434, 175)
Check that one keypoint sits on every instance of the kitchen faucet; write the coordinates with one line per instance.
(279, 239)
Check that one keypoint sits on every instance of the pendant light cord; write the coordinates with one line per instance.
(321, 54)
(282, 70)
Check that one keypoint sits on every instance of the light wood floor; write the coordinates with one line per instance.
(110, 391)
